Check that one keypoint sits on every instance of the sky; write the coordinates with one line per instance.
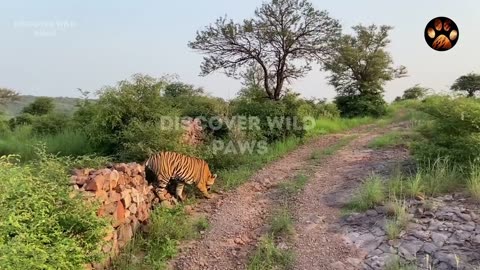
(53, 47)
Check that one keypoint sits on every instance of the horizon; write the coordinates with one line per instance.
(56, 48)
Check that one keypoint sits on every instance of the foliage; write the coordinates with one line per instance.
(282, 39)
(453, 132)
(179, 89)
(41, 226)
(473, 184)
(469, 83)
(269, 257)
(359, 69)
(167, 227)
(276, 118)
(415, 92)
(391, 139)
(130, 110)
(361, 105)
(41, 106)
(282, 223)
(7, 95)
(23, 119)
(51, 123)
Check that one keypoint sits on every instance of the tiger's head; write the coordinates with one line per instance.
(210, 181)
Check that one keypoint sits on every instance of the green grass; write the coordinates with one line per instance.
(397, 264)
(281, 224)
(370, 194)
(291, 187)
(152, 250)
(333, 125)
(390, 140)
(22, 142)
(268, 256)
(473, 184)
(398, 221)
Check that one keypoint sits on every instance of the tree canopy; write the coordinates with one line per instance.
(469, 83)
(7, 95)
(361, 65)
(41, 106)
(415, 92)
(283, 38)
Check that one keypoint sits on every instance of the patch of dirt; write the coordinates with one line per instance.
(238, 218)
(319, 243)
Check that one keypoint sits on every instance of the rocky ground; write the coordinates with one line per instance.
(444, 233)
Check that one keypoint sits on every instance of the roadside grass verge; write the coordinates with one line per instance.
(332, 125)
(22, 142)
(153, 248)
(391, 139)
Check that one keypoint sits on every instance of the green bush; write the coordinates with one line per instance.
(21, 120)
(268, 111)
(361, 105)
(453, 132)
(51, 123)
(41, 226)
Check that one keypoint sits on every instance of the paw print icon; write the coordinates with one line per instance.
(441, 34)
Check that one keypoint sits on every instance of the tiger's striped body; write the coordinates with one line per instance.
(167, 166)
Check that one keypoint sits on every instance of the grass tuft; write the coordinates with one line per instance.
(371, 193)
(282, 223)
(473, 184)
(269, 257)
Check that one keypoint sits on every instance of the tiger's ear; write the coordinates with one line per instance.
(214, 175)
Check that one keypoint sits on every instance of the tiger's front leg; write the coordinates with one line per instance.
(179, 191)
(160, 192)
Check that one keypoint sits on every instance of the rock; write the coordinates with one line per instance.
(447, 258)
(126, 198)
(125, 233)
(429, 248)
(354, 261)
(119, 215)
(133, 209)
(81, 180)
(101, 195)
(95, 183)
(337, 266)
(422, 235)
(239, 241)
(409, 249)
(371, 213)
(439, 238)
(476, 239)
(114, 196)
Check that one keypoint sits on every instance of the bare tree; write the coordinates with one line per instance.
(283, 39)
(7, 95)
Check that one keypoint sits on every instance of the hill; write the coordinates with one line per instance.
(62, 104)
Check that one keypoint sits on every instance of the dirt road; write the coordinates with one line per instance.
(240, 217)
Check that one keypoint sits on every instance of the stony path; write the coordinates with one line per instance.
(319, 244)
(238, 218)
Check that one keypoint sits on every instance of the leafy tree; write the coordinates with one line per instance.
(469, 83)
(359, 69)
(7, 95)
(415, 92)
(181, 89)
(283, 38)
(41, 106)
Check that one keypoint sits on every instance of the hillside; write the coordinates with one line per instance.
(62, 104)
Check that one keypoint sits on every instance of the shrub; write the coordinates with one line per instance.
(51, 123)
(361, 105)
(41, 106)
(268, 112)
(22, 119)
(41, 226)
(453, 131)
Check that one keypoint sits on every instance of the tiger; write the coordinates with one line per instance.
(163, 167)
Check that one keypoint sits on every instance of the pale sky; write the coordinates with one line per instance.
(52, 48)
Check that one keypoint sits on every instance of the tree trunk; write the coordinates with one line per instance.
(471, 93)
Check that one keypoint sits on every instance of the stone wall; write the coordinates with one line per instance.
(125, 198)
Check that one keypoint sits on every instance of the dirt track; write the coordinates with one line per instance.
(239, 218)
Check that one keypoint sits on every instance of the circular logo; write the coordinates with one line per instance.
(441, 34)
